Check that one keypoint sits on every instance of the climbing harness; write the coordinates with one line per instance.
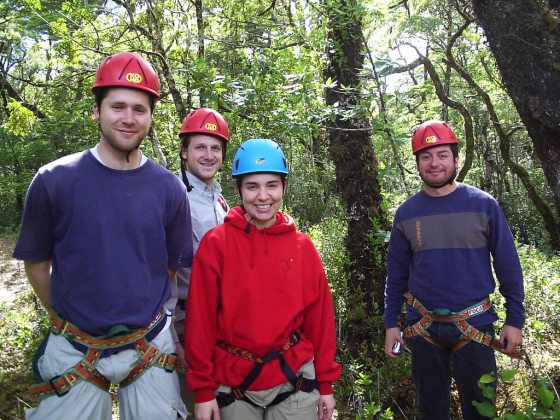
(468, 332)
(61, 384)
(85, 369)
(298, 382)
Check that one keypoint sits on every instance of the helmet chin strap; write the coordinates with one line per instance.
(443, 184)
(184, 175)
(103, 134)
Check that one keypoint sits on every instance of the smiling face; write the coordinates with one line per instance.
(437, 166)
(124, 121)
(261, 196)
(203, 156)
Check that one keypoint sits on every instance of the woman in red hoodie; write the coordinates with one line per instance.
(259, 336)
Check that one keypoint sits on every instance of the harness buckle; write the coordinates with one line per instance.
(299, 383)
(237, 393)
(169, 366)
(63, 390)
(442, 312)
(480, 338)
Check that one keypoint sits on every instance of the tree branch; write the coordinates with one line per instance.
(468, 124)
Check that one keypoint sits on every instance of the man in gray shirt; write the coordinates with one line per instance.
(204, 135)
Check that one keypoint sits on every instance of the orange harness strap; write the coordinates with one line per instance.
(61, 384)
(299, 383)
(468, 332)
(86, 370)
(62, 327)
(293, 338)
(150, 356)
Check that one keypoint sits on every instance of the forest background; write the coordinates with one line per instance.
(340, 84)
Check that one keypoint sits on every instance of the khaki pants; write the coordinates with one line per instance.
(186, 394)
(299, 406)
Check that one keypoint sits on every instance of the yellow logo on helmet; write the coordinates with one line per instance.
(211, 127)
(431, 139)
(134, 78)
(260, 161)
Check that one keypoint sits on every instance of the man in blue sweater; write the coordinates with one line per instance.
(444, 241)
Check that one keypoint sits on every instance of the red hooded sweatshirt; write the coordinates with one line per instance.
(251, 288)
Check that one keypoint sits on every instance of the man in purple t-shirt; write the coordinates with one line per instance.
(102, 236)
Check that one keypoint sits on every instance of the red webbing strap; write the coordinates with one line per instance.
(293, 338)
(471, 333)
(151, 356)
(468, 332)
(467, 313)
(420, 328)
(66, 329)
(239, 392)
(84, 371)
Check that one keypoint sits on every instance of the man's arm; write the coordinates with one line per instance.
(39, 276)
(509, 273)
(399, 256)
(170, 306)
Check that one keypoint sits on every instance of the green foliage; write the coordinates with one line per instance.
(262, 67)
(20, 121)
(327, 236)
(22, 327)
(546, 404)
(542, 285)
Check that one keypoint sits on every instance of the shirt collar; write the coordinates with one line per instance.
(200, 185)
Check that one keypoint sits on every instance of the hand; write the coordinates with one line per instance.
(179, 351)
(392, 335)
(325, 407)
(510, 338)
(208, 410)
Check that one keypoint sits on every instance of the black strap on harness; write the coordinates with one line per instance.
(298, 382)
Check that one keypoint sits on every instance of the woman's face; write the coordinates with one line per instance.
(261, 195)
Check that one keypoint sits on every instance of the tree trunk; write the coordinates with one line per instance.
(552, 227)
(200, 37)
(524, 37)
(356, 172)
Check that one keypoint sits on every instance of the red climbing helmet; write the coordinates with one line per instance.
(129, 70)
(205, 121)
(432, 133)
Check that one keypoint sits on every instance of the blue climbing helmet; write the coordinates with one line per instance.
(259, 155)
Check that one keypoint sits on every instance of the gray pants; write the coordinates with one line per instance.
(299, 406)
(154, 395)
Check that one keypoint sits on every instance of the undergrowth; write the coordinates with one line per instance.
(371, 386)
(22, 327)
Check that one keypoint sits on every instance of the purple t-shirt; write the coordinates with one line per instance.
(111, 236)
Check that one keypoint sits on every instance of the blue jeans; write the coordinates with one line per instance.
(434, 366)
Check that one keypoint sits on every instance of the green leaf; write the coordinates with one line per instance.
(488, 392)
(487, 378)
(508, 375)
(556, 412)
(485, 408)
(546, 396)
(516, 416)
